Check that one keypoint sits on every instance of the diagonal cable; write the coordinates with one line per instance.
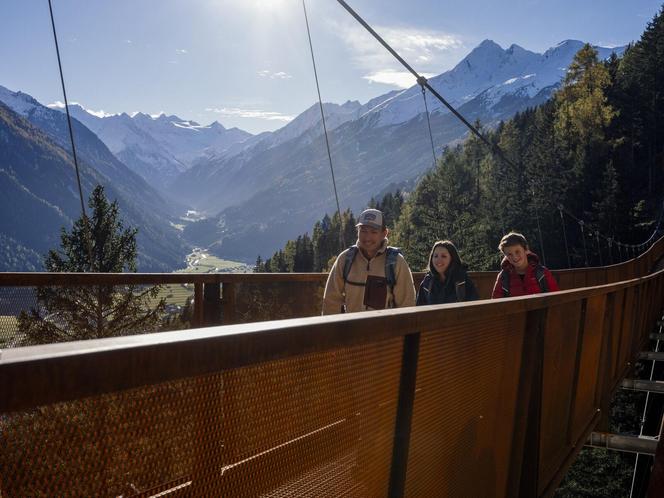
(423, 81)
(327, 140)
(86, 225)
(426, 109)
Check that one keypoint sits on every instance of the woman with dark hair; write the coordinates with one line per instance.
(446, 280)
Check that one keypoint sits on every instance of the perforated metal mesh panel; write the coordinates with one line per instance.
(558, 386)
(13, 300)
(44, 315)
(107, 446)
(464, 410)
(315, 425)
(277, 301)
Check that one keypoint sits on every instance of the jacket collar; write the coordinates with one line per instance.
(381, 249)
(533, 260)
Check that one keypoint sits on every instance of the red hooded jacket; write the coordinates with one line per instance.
(528, 285)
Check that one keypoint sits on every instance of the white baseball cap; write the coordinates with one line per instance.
(371, 218)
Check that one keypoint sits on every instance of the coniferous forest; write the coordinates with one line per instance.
(578, 176)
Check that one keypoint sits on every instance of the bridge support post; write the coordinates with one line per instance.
(411, 349)
(211, 304)
(524, 468)
(228, 303)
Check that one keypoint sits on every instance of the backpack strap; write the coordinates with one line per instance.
(348, 263)
(391, 255)
(505, 282)
(460, 290)
(541, 278)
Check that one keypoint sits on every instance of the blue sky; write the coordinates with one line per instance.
(246, 63)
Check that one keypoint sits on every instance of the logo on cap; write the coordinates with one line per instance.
(372, 218)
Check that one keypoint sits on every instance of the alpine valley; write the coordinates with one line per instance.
(254, 191)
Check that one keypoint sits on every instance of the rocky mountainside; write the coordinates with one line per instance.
(40, 194)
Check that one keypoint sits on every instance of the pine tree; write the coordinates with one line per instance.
(259, 267)
(78, 312)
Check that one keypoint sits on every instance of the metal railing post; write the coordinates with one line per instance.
(228, 304)
(211, 304)
(409, 360)
(524, 460)
(197, 319)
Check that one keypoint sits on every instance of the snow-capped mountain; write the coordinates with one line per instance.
(309, 121)
(514, 70)
(157, 147)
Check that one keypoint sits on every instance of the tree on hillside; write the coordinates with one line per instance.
(90, 312)
(583, 116)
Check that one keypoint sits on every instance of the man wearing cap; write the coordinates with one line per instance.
(377, 276)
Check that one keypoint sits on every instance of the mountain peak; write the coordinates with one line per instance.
(20, 102)
(569, 42)
(514, 48)
(488, 44)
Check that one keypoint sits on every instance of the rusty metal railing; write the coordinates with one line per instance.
(197, 300)
(485, 398)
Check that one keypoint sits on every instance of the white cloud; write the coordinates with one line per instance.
(266, 73)
(251, 113)
(410, 43)
(427, 50)
(180, 51)
(100, 113)
(61, 105)
(400, 79)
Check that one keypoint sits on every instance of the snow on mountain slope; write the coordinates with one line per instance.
(505, 71)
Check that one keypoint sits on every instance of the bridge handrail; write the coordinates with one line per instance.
(113, 362)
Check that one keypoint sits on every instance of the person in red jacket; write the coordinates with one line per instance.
(521, 273)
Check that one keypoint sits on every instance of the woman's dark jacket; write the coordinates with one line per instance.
(456, 288)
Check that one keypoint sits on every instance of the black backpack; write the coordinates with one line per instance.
(539, 276)
(459, 288)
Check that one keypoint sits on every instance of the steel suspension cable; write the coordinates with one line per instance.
(327, 140)
(424, 83)
(539, 227)
(583, 238)
(86, 225)
(599, 248)
(630, 249)
(426, 108)
(610, 250)
(562, 220)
